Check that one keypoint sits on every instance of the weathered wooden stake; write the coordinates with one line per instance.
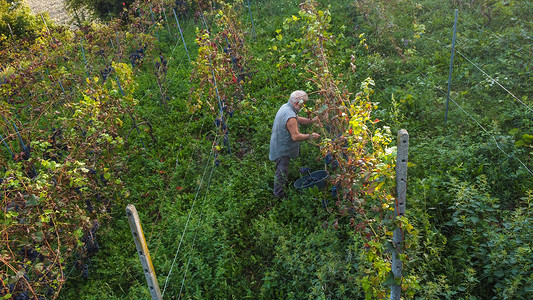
(12, 35)
(142, 250)
(399, 209)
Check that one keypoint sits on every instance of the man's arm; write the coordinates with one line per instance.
(306, 121)
(292, 127)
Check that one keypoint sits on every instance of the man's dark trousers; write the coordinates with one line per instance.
(280, 180)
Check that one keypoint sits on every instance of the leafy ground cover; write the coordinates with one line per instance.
(118, 114)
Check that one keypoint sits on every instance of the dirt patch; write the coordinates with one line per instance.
(55, 8)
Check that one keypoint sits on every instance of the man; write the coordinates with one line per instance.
(285, 139)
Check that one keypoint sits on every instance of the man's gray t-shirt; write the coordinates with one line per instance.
(281, 143)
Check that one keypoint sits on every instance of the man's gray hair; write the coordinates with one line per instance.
(297, 96)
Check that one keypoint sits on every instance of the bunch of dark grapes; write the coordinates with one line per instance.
(137, 56)
(7, 290)
(161, 67)
(89, 241)
(85, 271)
(22, 296)
(90, 207)
(105, 73)
(30, 253)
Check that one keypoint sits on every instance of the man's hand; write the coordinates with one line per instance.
(307, 121)
(314, 136)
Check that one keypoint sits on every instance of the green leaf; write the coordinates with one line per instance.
(528, 138)
(323, 109)
(390, 279)
(499, 273)
(514, 131)
(38, 236)
(33, 200)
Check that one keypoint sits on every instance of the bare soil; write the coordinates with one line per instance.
(55, 9)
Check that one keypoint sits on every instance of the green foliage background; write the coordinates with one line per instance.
(470, 204)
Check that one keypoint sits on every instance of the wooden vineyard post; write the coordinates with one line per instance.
(399, 210)
(142, 250)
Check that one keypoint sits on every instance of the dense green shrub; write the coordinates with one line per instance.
(17, 22)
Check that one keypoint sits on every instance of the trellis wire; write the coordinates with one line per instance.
(170, 58)
(195, 147)
(197, 229)
(188, 218)
(486, 74)
(226, 137)
(216, 87)
(479, 124)
(494, 80)
(132, 119)
(200, 218)
(181, 33)
(485, 31)
(173, 75)
(203, 176)
(153, 21)
(62, 88)
(166, 22)
(492, 136)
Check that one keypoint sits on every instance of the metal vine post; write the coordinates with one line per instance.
(451, 68)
